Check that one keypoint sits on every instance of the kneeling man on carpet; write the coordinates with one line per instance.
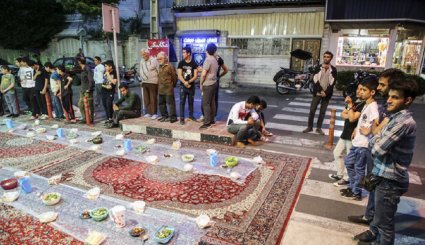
(245, 127)
(128, 106)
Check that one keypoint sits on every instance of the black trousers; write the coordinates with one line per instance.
(124, 114)
(67, 105)
(167, 101)
(188, 93)
(1, 105)
(324, 102)
(107, 101)
(28, 97)
(40, 106)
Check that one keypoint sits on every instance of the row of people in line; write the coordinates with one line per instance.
(379, 140)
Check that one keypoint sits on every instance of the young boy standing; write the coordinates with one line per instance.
(187, 74)
(7, 88)
(359, 155)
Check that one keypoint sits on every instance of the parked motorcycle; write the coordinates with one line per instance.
(131, 75)
(288, 80)
(352, 87)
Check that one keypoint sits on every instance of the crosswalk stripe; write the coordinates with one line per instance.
(304, 110)
(295, 128)
(304, 119)
(338, 107)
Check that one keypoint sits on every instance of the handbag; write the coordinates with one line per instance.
(370, 181)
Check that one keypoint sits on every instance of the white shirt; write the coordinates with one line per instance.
(26, 74)
(238, 112)
(99, 70)
(369, 114)
(149, 70)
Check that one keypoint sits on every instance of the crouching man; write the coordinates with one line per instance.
(243, 122)
(128, 106)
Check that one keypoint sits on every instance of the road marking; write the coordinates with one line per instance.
(338, 107)
(304, 110)
(304, 119)
(296, 128)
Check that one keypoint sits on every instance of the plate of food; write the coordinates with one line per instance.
(231, 161)
(142, 148)
(72, 135)
(40, 130)
(137, 231)
(164, 234)
(51, 198)
(188, 157)
(9, 184)
(99, 214)
(10, 196)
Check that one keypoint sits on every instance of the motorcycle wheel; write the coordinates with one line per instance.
(282, 82)
(311, 86)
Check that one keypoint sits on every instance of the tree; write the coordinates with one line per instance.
(30, 24)
(89, 8)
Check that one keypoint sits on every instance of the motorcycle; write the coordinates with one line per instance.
(131, 75)
(352, 87)
(288, 80)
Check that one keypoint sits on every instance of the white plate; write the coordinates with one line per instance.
(47, 217)
(95, 238)
(97, 133)
(10, 196)
(152, 159)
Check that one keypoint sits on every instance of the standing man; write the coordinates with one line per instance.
(208, 85)
(98, 73)
(187, 74)
(87, 87)
(41, 84)
(221, 64)
(54, 90)
(7, 88)
(166, 79)
(324, 82)
(26, 75)
(149, 69)
(392, 152)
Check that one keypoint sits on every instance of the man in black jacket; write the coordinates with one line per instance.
(324, 82)
(87, 88)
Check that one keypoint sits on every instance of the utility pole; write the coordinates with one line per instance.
(155, 29)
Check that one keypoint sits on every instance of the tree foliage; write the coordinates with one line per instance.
(89, 8)
(30, 24)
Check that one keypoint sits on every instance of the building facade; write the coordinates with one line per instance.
(264, 32)
(377, 34)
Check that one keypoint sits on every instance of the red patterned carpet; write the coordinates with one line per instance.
(19, 228)
(253, 212)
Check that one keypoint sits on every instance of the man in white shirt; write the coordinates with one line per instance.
(149, 68)
(26, 75)
(98, 73)
(243, 121)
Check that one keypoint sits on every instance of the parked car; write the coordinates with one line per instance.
(72, 67)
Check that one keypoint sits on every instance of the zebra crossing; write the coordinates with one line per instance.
(294, 116)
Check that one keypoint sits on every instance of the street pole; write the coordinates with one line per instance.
(116, 51)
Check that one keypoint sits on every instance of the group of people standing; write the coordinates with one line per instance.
(159, 78)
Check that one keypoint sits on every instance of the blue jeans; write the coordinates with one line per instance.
(356, 162)
(11, 103)
(57, 105)
(387, 197)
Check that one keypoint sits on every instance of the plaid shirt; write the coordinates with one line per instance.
(392, 149)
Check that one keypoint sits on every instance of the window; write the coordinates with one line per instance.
(262, 46)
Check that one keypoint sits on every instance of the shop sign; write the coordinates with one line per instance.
(200, 40)
(157, 45)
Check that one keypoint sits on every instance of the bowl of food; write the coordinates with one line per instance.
(51, 198)
(40, 130)
(142, 148)
(9, 184)
(137, 231)
(188, 157)
(99, 214)
(85, 214)
(164, 234)
(231, 161)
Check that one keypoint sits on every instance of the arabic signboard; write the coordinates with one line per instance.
(157, 45)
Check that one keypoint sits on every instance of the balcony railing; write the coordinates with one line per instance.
(183, 4)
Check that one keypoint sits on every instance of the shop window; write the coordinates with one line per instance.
(362, 51)
(262, 46)
(407, 51)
